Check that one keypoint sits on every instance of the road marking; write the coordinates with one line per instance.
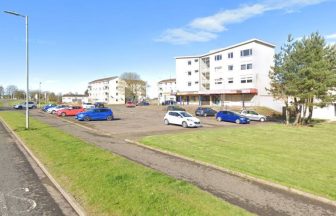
(5, 209)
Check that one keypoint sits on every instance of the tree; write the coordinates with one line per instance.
(10, 90)
(19, 94)
(134, 86)
(2, 91)
(305, 74)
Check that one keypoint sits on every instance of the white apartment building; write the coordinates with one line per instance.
(167, 90)
(110, 90)
(74, 98)
(233, 76)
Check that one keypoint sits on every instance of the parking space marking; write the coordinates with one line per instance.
(5, 209)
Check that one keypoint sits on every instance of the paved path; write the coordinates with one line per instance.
(22, 191)
(249, 195)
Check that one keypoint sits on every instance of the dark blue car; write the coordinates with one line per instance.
(231, 117)
(95, 114)
(48, 106)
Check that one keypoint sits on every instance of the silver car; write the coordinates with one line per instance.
(252, 115)
(31, 105)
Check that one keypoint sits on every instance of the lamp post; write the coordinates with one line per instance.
(27, 64)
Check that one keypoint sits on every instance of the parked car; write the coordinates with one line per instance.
(88, 105)
(175, 108)
(130, 104)
(205, 111)
(232, 117)
(48, 106)
(95, 114)
(252, 115)
(169, 102)
(181, 118)
(143, 103)
(53, 110)
(70, 111)
(99, 105)
(31, 105)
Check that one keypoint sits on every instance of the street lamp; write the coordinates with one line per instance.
(27, 64)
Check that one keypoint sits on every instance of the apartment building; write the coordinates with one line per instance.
(74, 98)
(167, 90)
(233, 76)
(110, 90)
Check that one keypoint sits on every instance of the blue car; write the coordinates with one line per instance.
(48, 106)
(231, 117)
(95, 114)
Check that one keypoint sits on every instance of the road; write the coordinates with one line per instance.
(252, 196)
(23, 191)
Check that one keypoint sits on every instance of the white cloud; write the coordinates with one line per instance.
(203, 29)
(331, 36)
(183, 36)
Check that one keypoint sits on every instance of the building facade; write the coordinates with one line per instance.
(109, 90)
(233, 76)
(167, 90)
(72, 98)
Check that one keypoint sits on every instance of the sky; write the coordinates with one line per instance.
(74, 42)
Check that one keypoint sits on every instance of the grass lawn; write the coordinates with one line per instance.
(299, 157)
(106, 184)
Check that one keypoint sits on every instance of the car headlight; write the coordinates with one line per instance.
(242, 119)
(190, 120)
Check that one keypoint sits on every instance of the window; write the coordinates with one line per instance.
(117, 94)
(116, 81)
(219, 81)
(196, 82)
(247, 52)
(189, 73)
(196, 60)
(246, 79)
(189, 62)
(196, 71)
(189, 83)
(230, 80)
(249, 66)
(230, 67)
(246, 67)
(243, 67)
(230, 55)
(218, 57)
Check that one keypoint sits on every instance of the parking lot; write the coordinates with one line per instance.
(146, 120)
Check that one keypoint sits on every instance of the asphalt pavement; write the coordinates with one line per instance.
(22, 191)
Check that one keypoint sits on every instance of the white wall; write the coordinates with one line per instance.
(182, 77)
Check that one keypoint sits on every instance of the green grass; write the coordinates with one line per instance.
(299, 157)
(106, 184)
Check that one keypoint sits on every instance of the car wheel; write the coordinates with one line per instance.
(53, 112)
(205, 115)
(238, 121)
(86, 118)
(166, 122)
(63, 114)
(262, 119)
(184, 124)
(109, 118)
(219, 119)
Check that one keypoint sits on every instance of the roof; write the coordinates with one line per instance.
(73, 95)
(103, 79)
(167, 80)
(230, 47)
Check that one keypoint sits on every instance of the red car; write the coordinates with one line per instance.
(71, 111)
(130, 104)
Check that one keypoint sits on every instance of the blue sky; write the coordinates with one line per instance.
(74, 42)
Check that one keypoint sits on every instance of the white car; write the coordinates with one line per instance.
(53, 110)
(181, 118)
(88, 106)
(252, 115)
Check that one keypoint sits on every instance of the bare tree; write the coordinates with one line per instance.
(10, 90)
(2, 91)
(135, 87)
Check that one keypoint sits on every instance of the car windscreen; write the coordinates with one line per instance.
(185, 114)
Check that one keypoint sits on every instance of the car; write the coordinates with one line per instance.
(70, 111)
(48, 106)
(130, 104)
(99, 105)
(230, 116)
(252, 115)
(31, 105)
(95, 114)
(168, 102)
(181, 118)
(143, 103)
(88, 105)
(53, 110)
(175, 108)
(205, 111)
